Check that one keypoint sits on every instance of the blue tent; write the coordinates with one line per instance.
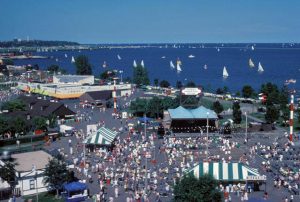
(74, 186)
(144, 119)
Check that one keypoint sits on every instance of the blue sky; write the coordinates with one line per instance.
(141, 21)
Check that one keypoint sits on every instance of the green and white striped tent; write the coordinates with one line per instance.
(103, 136)
(226, 171)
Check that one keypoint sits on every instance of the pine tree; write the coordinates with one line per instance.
(237, 113)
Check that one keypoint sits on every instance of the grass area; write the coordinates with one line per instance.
(258, 115)
(208, 102)
(43, 197)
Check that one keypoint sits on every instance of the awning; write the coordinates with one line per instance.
(103, 136)
(226, 171)
(75, 186)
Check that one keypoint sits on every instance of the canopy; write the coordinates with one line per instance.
(103, 136)
(198, 113)
(74, 186)
(144, 119)
(226, 171)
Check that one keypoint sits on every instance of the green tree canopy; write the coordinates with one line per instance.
(56, 173)
(164, 84)
(190, 84)
(108, 75)
(14, 105)
(140, 76)
(217, 107)
(272, 114)
(154, 107)
(179, 84)
(39, 123)
(247, 91)
(83, 66)
(7, 173)
(236, 113)
(156, 82)
(190, 189)
(56, 69)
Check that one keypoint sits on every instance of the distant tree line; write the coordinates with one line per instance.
(35, 43)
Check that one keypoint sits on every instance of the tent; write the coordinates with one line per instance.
(226, 171)
(103, 136)
(74, 187)
(144, 119)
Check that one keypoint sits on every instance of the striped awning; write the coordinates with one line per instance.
(103, 136)
(226, 171)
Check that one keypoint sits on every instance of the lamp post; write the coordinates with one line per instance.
(35, 176)
(146, 166)
(207, 135)
(246, 130)
(121, 72)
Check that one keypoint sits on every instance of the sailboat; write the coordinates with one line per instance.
(163, 57)
(73, 59)
(178, 66)
(119, 57)
(251, 64)
(66, 55)
(225, 73)
(218, 49)
(252, 48)
(191, 56)
(172, 65)
(205, 66)
(142, 63)
(134, 63)
(260, 68)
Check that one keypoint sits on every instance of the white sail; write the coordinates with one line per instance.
(251, 64)
(119, 57)
(172, 65)
(73, 59)
(205, 66)
(191, 56)
(252, 48)
(163, 57)
(66, 55)
(225, 73)
(178, 64)
(104, 64)
(142, 63)
(260, 68)
(134, 63)
(218, 49)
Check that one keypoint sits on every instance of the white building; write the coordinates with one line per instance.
(30, 181)
(74, 79)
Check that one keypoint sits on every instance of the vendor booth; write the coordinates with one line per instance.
(75, 192)
(229, 173)
(103, 137)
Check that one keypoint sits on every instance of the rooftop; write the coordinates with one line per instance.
(25, 161)
(198, 113)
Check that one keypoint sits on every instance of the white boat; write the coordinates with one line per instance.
(142, 63)
(172, 65)
(73, 59)
(66, 55)
(119, 57)
(104, 64)
(260, 68)
(134, 63)
(205, 66)
(251, 64)
(178, 64)
(225, 73)
(163, 57)
(218, 49)
(191, 56)
(252, 48)
(56, 59)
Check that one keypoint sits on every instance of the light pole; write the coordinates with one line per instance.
(35, 176)
(207, 135)
(146, 166)
(121, 72)
(246, 134)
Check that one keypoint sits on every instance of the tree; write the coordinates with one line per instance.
(139, 106)
(83, 66)
(154, 107)
(247, 91)
(56, 174)
(39, 123)
(272, 114)
(219, 91)
(179, 84)
(140, 76)
(53, 68)
(8, 62)
(217, 107)
(14, 105)
(190, 84)
(7, 173)
(164, 84)
(190, 189)
(18, 125)
(236, 113)
(107, 75)
(156, 82)
(3, 125)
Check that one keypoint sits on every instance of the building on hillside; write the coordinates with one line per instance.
(183, 120)
(74, 79)
(96, 98)
(29, 169)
